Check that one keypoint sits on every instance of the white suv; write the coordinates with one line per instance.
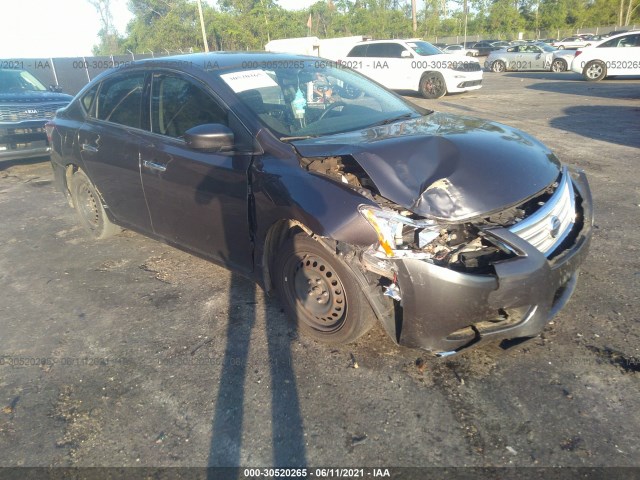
(618, 55)
(414, 65)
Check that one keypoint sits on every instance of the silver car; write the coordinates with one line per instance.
(538, 56)
(469, 52)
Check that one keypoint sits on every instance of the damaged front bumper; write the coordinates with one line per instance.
(445, 311)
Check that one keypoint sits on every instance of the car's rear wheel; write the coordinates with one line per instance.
(88, 205)
(594, 71)
(432, 85)
(498, 66)
(560, 47)
(559, 65)
(319, 292)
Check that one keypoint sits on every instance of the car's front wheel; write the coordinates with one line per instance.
(558, 65)
(88, 205)
(594, 71)
(560, 47)
(498, 66)
(432, 85)
(319, 292)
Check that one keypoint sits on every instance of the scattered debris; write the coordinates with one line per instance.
(421, 365)
(571, 444)
(353, 363)
(161, 437)
(358, 439)
(512, 450)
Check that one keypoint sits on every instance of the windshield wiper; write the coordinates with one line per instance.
(393, 120)
(302, 137)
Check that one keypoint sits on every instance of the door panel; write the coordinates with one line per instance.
(198, 200)
(109, 143)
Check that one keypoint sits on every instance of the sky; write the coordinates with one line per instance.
(65, 28)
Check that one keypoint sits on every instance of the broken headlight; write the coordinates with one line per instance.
(399, 234)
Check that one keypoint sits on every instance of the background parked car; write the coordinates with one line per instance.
(571, 42)
(415, 65)
(538, 56)
(25, 106)
(469, 52)
(485, 48)
(618, 55)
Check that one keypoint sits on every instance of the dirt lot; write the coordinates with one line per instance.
(127, 352)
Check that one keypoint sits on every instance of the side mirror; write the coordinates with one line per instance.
(55, 88)
(210, 137)
(406, 54)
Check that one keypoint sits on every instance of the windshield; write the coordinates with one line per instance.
(307, 98)
(16, 81)
(424, 48)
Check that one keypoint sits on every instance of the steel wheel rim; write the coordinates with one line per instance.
(88, 205)
(318, 291)
(594, 71)
(558, 66)
(498, 67)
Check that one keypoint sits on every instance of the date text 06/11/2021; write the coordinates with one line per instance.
(316, 473)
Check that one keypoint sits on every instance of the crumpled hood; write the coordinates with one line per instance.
(445, 166)
(34, 97)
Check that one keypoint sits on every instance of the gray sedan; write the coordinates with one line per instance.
(537, 56)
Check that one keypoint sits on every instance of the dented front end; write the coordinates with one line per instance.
(443, 275)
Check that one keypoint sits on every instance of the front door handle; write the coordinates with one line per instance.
(89, 148)
(158, 167)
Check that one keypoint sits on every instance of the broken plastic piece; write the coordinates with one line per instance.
(393, 291)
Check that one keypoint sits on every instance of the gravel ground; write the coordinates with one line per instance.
(127, 352)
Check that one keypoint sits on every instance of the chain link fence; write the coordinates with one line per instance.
(71, 74)
(530, 34)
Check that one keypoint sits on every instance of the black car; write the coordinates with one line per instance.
(348, 201)
(25, 106)
(485, 47)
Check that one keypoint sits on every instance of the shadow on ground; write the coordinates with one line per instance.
(616, 124)
(286, 419)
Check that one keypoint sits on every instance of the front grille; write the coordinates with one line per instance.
(551, 223)
(468, 67)
(22, 112)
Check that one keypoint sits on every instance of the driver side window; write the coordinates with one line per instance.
(178, 104)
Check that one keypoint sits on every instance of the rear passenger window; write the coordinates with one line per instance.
(120, 99)
(358, 51)
(384, 50)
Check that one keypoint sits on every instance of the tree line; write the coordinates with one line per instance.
(173, 25)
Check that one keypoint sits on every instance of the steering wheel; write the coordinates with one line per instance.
(350, 92)
(330, 108)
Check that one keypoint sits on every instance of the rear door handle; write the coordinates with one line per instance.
(89, 148)
(158, 167)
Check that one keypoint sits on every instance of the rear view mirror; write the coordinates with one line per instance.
(406, 54)
(210, 137)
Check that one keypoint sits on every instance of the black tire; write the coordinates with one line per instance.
(319, 293)
(498, 66)
(560, 47)
(88, 205)
(559, 65)
(594, 71)
(432, 85)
